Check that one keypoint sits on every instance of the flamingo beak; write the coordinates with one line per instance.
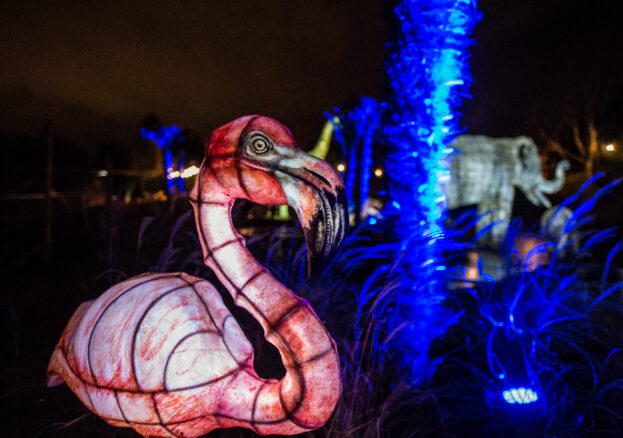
(315, 190)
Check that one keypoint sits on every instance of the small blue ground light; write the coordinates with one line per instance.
(521, 396)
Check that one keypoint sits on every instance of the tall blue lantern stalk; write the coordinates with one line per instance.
(428, 73)
(356, 133)
(164, 139)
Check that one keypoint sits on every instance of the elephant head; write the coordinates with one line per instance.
(528, 176)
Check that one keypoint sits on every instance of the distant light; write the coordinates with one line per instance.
(519, 396)
(610, 147)
(471, 273)
(372, 221)
(102, 173)
(378, 172)
(341, 167)
(186, 173)
(190, 171)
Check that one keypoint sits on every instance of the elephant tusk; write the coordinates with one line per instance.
(542, 198)
(530, 194)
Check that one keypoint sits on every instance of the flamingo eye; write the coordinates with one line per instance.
(261, 144)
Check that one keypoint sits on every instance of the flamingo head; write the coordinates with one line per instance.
(257, 158)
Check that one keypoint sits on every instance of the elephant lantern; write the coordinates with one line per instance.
(485, 172)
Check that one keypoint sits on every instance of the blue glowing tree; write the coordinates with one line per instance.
(165, 138)
(356, 132)
(428, 73)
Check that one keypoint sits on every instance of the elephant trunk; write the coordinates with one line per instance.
(556, 184)
(535, 193)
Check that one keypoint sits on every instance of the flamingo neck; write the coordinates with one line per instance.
(306, 396)
(250, 284)
(225, 251)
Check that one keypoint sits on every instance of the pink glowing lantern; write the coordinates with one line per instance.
(162, 354)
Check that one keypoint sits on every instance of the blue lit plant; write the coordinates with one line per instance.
(357, 131)
(427, 71)
(165, 139)
(428, 75)
(541, 349)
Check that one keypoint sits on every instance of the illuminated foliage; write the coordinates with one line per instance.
(428, 74)
(164, 139)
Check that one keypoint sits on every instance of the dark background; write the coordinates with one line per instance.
(535, 61)
(96, 69)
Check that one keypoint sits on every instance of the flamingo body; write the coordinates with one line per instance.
(160, 349)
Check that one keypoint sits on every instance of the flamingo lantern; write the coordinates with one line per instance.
(161, 353)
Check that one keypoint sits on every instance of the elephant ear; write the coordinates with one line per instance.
(521, 164)
(526, 153)
(530, 180)
(523, 154)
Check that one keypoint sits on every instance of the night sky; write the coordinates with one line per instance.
(96, 69)
(536, 61)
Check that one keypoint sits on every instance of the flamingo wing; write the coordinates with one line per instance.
(135, 355)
